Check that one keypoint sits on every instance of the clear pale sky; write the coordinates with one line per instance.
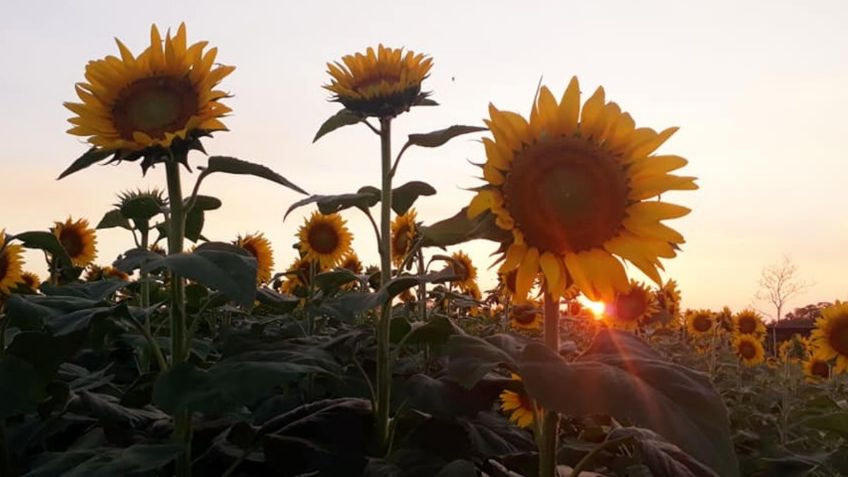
(759, 89)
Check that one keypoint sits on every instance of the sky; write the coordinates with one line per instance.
(758, 89)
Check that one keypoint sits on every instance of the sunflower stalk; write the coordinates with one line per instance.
(384, 364)
(550, 421)
(176, 234)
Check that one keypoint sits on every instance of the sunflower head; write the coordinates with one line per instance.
(324, 239)
(816, 368)
(700, 322)
(382, 83)
(260, 248)
(795, 349)
(351, 262)
(518, 405)
(11, 264)
(31, 281)
(830, 337)
(403, 234)
(78, 239)
(749, 349)
(526, 316)
(668, 298)
(141, 205)
(465, 271)
(724, 318)
(749, 322)
(632, 307)
(299, 275)
(573, 185)
(96, 272)
(163, 98)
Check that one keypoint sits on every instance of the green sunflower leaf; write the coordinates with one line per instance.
(45, 241)
(102, 462)
(460, 228)
(437, 138)
(91, 157)
(404, 196)
(364, 199)
(343, 118)
(114, 218)
(231, 165)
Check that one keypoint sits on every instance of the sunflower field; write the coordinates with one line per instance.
(200, 355)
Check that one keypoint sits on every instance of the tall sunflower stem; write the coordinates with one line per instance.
(144, 297)
(176, 234)
(384, 363)
(550, 421)
(422, 288)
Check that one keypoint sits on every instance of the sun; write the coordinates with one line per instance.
(596, 307)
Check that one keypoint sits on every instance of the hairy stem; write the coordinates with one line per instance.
(384, 364)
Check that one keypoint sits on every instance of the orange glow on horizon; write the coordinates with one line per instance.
(596, 307)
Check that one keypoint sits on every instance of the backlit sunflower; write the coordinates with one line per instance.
(96, 272)
(403, 233)
(668, 298)
(816, 368)
(631, 307)
(830, 338)
(749, 349)
(78, 239)
(749, 322)
(573, 186)
(526, 316)
(11, 263)
(724, 318)
(299, 275)
(795, 349)
(465, 271)
(384, 83)
(164, 94)
(700, 323)
(351, 262)
(30, 280)
(325, 239)
(260, 247)
(518, 405)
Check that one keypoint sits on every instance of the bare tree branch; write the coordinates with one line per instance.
(779, 283)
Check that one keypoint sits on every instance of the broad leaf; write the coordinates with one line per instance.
(404, 196)
(661, 457)
(231, 165)
(105, 462)
(91, 157)
(328, 204)
(113, 218)
(97, 290)
(460, 228)
(343, 118)
(45, 241)
(437, 138)
(21, 386)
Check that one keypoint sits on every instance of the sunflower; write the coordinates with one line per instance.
(749, 322)
(403, 234)
(30, 280)
(724, 318)
(164, 94)
(749, 349)
(260, 247)
(299, 275)
(830, 338)
(668, 298)
(630, 308)
(465, 271)
(78, 239)
(324, 239)
(351, 262)
(816, 368)
(794, 349)
(384, 83)
(700, 322)
(96, 272)
(11, 263)
(574, 192)
(518, 405)
(526, 316)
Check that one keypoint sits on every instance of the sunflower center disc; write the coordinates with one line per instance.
(839, 336)
(323, 238)
(747, 350)
(566, 195)
(72, 242)
(747, 325)
(702, 323)
(820, 369)
(524, 314)
(155, 106)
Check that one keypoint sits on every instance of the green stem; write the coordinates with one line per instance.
(422, 288)
(176, 234)
(384, 364)
(144, 298)
(550, 421)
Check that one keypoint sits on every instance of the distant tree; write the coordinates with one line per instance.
(809, 312)
(779, 283)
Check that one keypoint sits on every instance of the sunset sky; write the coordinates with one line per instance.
(758, 88)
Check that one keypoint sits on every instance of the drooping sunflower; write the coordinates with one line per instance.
(749, 322)
(11, 264)
(30, 280)
(631, 307)
(324, 239)
(573, 187)
(816, 368)
(518, 405)
(351, 262)
(526, 316)
(830, 338)
(464, 270)
(166, 93)
(700, 322)
(749, 349)
(78, 239)
(96, 272)
(403, 234)
(384, 83)
(260, 247)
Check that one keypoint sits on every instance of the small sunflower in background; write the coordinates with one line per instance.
(749, 349)
(830, 337)
(526, 316)
(381, 83)
(351, 263)
(632, 307)
(11, 264)
(574, 186)
(78, 239)
(700, 323)
(299, 275)
(465, 271)
(795, 349)
(260, 248)
(324, 239)
(724, 318)
(518, 405)
(164, 95)
(668, 299)
(816, 368)
(749, 322)
(31, 281)
(96, 272)
(403, 233)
